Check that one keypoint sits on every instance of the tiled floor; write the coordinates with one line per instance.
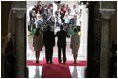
(36, 71)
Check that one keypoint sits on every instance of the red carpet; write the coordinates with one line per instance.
(55, 71)
(55, 61)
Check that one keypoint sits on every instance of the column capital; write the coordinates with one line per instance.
(107, 13)
(19, 12)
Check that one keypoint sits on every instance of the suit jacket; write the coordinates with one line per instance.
(61, 38)
(48, 38)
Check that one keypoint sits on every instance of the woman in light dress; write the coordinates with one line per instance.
(38, 43)
(75, 42)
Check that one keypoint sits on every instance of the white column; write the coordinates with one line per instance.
(20, 49)
(105, 39)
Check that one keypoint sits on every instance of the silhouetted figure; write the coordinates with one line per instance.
(113, 62)
(61, 43)
(74, 45)
(49, 43)
(37, 43)
(9, 60)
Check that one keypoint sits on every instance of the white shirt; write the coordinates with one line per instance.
(73, 11)
(39, 17)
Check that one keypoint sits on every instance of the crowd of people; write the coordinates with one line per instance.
(40, 15)
(66, 15)
(47, 39)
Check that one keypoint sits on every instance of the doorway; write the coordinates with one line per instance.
(81, 23)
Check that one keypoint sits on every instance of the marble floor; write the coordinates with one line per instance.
(75, 71)
(36, 71)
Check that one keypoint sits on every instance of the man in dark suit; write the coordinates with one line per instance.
(61, 43)
(49, 42)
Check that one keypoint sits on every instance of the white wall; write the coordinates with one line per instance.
(84, 30)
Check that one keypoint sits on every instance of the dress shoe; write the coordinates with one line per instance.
(64, 62)
(51, 62)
